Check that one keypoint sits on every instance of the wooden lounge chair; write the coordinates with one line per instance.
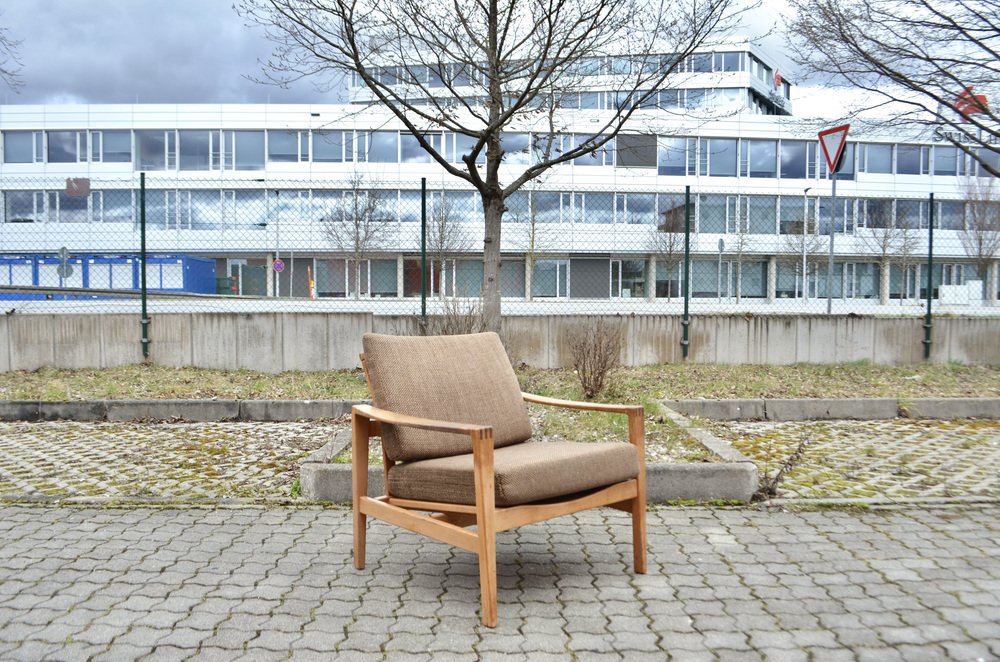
(457, 452)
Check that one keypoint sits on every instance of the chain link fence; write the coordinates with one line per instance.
(355, 244)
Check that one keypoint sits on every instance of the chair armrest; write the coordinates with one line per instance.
(574, 404)
(636, 416)
(394, 418)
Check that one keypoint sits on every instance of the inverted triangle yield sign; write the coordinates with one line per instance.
(832, 141)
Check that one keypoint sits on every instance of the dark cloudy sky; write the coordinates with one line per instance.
(161, 51)
(153, 51)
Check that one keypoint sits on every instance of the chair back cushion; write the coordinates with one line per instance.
(462, 379)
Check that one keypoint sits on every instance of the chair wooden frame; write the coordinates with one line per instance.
(447, 522)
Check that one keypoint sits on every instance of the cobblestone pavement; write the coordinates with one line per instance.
(893, 459)
(183, 460)
(275, 584)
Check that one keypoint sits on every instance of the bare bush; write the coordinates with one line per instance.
(458, 316)
(596, 352)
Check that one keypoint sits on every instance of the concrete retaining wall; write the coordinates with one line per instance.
(275, 342)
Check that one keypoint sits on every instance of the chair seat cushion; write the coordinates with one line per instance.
(525, 472)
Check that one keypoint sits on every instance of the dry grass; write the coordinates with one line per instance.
(645, 384)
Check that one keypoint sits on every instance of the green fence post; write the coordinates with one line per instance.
(928, 319)
(423, 253)
(686, 320)
(142, 265)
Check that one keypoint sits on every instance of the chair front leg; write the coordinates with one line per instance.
(637, 436)
(359, 483)
(482, 452)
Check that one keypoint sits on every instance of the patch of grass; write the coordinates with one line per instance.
(644, 384)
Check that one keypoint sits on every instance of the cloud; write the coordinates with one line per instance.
(154, 51)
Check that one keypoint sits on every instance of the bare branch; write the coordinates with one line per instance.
(937, 62)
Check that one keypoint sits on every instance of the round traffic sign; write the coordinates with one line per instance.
(278, 265)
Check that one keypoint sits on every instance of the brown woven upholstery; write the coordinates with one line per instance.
(524, 473)
(433, 377)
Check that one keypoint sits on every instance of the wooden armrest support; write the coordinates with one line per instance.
(635, 413)
(574, 404)
(393, 418)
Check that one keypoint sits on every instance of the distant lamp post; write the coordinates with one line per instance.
(805, 231)
(718, 286)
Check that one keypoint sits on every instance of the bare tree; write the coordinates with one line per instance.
(804, 247)
(936, 61)
(891, 244)
(666, 244)
(479, 68)
(10, 62)
(447, 236)
(532, 235)
(358, 225)
(981, 235)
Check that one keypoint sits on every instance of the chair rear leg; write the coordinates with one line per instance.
(639, 535)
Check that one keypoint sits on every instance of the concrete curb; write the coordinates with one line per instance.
(733, 479)
(816, 409)
(724, 481)
(771, 409)
(198, 411)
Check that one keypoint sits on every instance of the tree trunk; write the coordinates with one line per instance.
(493, 209)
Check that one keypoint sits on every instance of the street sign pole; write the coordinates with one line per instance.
(829, 261)
(832, 141)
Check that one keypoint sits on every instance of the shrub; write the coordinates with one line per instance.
(596, 352)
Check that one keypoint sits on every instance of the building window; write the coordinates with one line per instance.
(843, 216)
(199, 150)
(712, 213)
(628, 279)
(728, 61)
(24, 207)
(989, 156)
(22, 146)
(116, 146)
(846, 164)
(758, 158)
(875, 213)
(763, 213)
(794, 156)
(603, 155)
(635, 151)
(949, 161)
(792, 218)
(410, 150)
(244, 150)
(512, 278)
(875, 158)
(635, 208)
(546, 206)
(155, 150)
(67, 146)
(550, 278)
(951, 215)
(464, 146)
(332, 146)
(717, 157)
(287, 146)
(468, 278)
(912, 160)
(672, 157)
(911, 214)
(383, 147)
(516, 148)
